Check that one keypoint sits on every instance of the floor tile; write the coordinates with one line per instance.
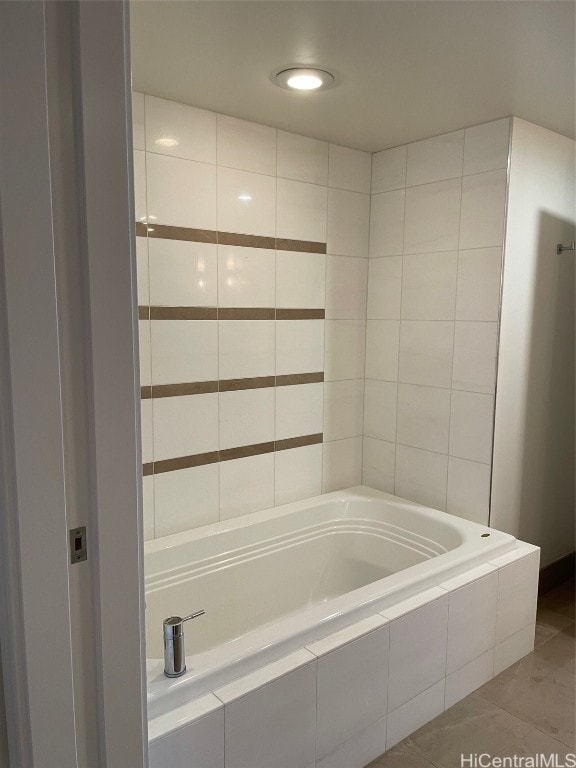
(401, 756)
(561, 599)
(548, 624)
(560, 651)
(478, 726)
(539, 689)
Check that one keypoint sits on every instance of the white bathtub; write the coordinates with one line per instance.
(275, 581)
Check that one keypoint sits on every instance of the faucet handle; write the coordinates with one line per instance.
(173, 624)
(193, 615)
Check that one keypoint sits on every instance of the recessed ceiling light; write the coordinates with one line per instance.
(245, 198)
(166, 141)
(300, 79)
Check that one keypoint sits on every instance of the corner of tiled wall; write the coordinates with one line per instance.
(436, 239)
(252, 248)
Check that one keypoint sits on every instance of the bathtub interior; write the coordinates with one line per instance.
(252, 573)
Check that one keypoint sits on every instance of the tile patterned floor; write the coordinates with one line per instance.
(528, 709)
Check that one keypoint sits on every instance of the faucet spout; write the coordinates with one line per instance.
(174, 648)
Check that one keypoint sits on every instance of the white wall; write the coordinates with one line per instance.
(533, 474)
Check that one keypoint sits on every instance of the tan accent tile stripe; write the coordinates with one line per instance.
(258, 382)
(165, 232)
(181, 390)
(299, 378)
(228, 385)
(248, 241)
(298, 442)
(243, 451)
(185, 462)
(246, 450)
(228, 313)
(300, 314)
(305, 246)
(183, 313)
(246, 313)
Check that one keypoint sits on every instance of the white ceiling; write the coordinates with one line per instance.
(408, 69)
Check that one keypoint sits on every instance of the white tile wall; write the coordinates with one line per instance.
(421, 476)
(184, 426)
(378, 464)
(342, 464)
(298, 473)
(346, 280)
(299, 346)
(348, 222)
(301, 280)
(246, 277)
(246, 203)
(430, 215)
(486, 147)
(246, 146)
(387, 223)
(181, 192)
(478, 291)
(349, 169)
(471, 426)
(343, 409)
(429, 286)
(302, 159)
(344, 349)
(246, 485)
(426, 352)
(185, 499)
(483, 209)
(172, 341)
(380, 404)
(246, 348)
(193, 130)
(389, 169)
(138, 135)
(423, 418)
(182, 274)
(246, 417)
(435, 159)
(385, 288)
(382, 345)
(301, 211)
(299, 410)
(468, 489)
(436, 231)
(475, 348)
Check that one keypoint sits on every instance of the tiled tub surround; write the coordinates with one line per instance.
(436, 239)
(360, 686)
(252, 272)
